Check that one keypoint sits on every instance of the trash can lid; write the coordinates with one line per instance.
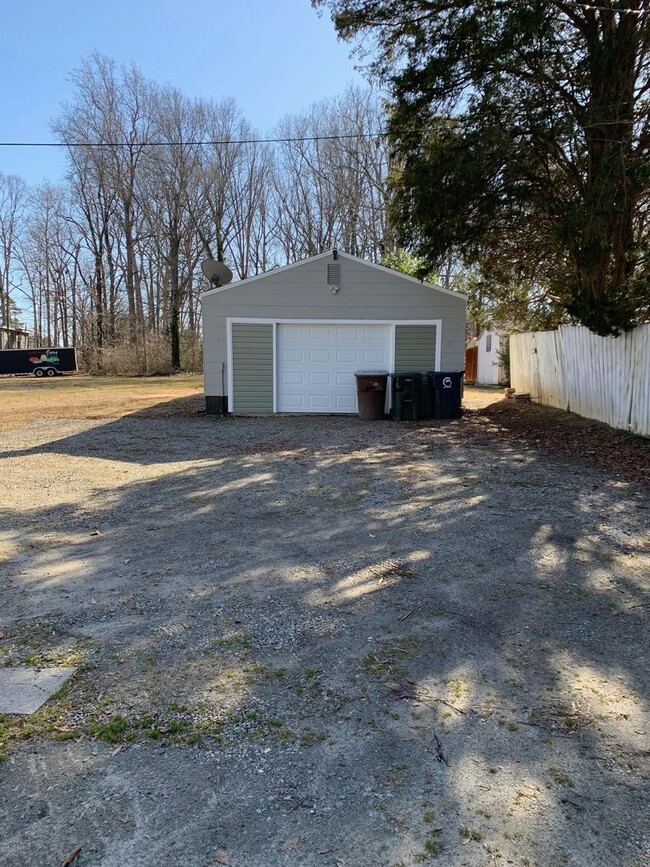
(371, 373)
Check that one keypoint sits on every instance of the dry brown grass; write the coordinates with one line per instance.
(24, 400)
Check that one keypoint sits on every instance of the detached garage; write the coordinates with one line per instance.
(291, 340)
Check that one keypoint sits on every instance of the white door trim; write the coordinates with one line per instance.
(231, 320)
(230, 404)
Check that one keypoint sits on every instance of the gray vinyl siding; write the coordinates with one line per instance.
(303, 293)
(415, 348)
(252, 352)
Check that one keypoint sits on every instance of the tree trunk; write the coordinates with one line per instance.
(174, 302)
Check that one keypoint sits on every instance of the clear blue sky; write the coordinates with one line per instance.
(273, 56)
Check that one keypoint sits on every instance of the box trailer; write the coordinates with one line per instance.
(49, 361)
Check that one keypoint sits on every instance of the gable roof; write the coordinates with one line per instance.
(340, 255)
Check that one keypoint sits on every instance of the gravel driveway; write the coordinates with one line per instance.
(318, 641)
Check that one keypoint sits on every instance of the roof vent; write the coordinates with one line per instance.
(334, 274)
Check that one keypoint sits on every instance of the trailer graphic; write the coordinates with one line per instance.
(46, 361)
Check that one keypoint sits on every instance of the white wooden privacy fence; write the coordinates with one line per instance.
(604, 378)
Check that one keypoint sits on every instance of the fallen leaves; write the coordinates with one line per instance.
(70, 857)
(591, 442)
(290, 845)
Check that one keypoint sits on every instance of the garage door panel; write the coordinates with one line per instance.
(320, 402)
(293, 355)
(316, 364)
(373, 356)
(293, 402)
(320, 356)
(295, 337)
(346, 403)
(292, 377)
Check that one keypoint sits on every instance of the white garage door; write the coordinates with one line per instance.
(316, 364)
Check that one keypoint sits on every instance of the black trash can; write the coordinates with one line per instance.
(447, 389)
(371, 393)
(407, 396)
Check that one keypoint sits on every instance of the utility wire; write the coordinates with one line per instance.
(158, 144)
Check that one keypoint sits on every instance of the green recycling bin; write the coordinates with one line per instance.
(407, 396)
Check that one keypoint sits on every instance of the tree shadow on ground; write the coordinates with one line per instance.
(392, 642)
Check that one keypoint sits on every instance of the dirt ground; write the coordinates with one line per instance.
(318, 641)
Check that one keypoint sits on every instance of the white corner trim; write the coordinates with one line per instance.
(275, 367)
(229, 356)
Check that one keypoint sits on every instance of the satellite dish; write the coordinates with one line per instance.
(217, 273)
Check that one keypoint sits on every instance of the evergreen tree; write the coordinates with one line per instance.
(522, 134)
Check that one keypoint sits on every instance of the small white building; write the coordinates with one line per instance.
(490, 368)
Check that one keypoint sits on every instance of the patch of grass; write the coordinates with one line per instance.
(64, 736)
(429, 816)
(432, 847)
(387, 660)
(236, 641)
(560, 778)
(113, 732)
(310, 739)
(467, 834)
(284, 734)
(457, 686)
(310, 673)
(391, 713)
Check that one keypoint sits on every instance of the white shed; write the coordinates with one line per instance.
(491, 370)
(291, 339)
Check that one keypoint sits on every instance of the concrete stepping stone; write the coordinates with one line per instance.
(24, 689)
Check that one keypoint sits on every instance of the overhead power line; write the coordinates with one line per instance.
(207, 142)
